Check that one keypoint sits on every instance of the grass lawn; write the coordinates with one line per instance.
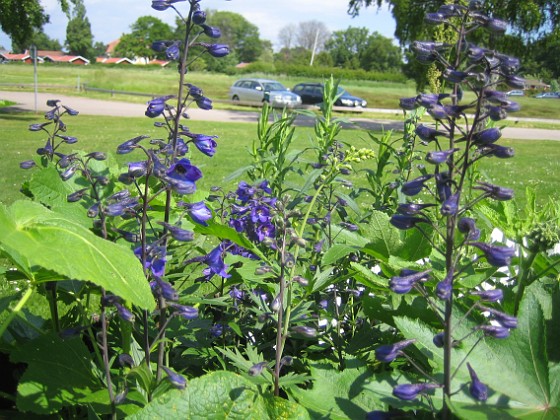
(161, 81)
(536, 164)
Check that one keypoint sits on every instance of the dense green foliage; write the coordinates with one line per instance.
(138, 42)
(79, 39)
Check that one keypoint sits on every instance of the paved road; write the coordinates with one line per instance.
(25, 101)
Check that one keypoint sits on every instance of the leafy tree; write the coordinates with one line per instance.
(287, 36)
(79, 39)
(356, 48)
(347, 47)
(41, 40)
(241, 35)
(145, 30)
(19, 18)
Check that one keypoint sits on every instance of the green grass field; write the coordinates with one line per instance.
(161, 81)
(536, 164)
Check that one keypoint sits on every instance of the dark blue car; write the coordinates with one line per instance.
(312, 94)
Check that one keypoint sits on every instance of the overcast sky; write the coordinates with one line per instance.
(111, 18)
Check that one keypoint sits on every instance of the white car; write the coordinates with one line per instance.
(264, 90)
(515, 93)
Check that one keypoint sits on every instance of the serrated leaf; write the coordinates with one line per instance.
(368, 278)
(384, 239)
(338, 394)
(218, 395)
(37, 236)
(336, 253)
(48, 188)
(58, 374)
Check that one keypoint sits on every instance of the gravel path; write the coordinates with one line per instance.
(25, 101)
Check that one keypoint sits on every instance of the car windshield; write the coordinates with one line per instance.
(274, 86)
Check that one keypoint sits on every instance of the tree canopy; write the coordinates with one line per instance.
(144, 31)
(79, 39)
(20, 18)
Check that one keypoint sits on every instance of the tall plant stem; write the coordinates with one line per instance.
(280, 330)
(105, 353)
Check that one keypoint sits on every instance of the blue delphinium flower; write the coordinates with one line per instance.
(198, 212)
(181, 176)
(257, 369)
(215, 261)
(495, 331)
(405, 221)
(493, 295)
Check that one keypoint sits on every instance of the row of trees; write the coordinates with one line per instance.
(535, 38)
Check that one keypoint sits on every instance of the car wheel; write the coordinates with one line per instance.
(235, 98)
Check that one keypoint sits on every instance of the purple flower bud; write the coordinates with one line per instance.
(450, 206)
(348, 226)
(155, 108)
(430, 99)
(177, 233)
(428, 134)
(438, 340)
(497, 256)
(76, 196)
(199, 17)
(498, 151)
(487, 136)
(97, 155)
(494, 331)
(172, 52)
(408, 104)
(185, 311)
(137, 169)
(477, 389)
(67, 139)
(178, 381)
(405, 221)
(68, 173)
(511, 106)
(495, 192)
(434, 18)
(159, 46)
(38, 127)
(515, 82)
(215, 262)
(124, 313)
(308, 332)
(467, 225)
(414, 187)
(257, 369)
(411, 209)
(452, 10)
(496, 113)
(496, 25)
(444, 288)
(437, 112)
(125, 359)
(505, 320)
(70, 111)
(410, 392)
(216, 50)
(455, 76)
(440, 156)
(28, 164)
(389, 352)
(495, 96)
(204, 103)
(493, 295)
(456, 111)
(211, 31)
(404, 282)
(130, 145)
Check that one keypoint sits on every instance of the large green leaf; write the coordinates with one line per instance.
(338, 394)
(384, 239)
(37, 236)
(58, 374)
(219, 395)
(516, 369)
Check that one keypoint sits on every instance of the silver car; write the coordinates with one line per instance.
(264, 90)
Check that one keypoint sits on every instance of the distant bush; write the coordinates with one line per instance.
(321, 72)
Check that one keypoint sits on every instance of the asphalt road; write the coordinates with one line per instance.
(25, 101)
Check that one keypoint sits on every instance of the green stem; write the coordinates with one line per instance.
(16, 310)
(522, 283)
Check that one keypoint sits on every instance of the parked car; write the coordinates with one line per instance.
(312, 93)
(515, 93)
(545, 95)
(264, 90)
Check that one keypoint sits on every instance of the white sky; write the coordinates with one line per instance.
(111, 18)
